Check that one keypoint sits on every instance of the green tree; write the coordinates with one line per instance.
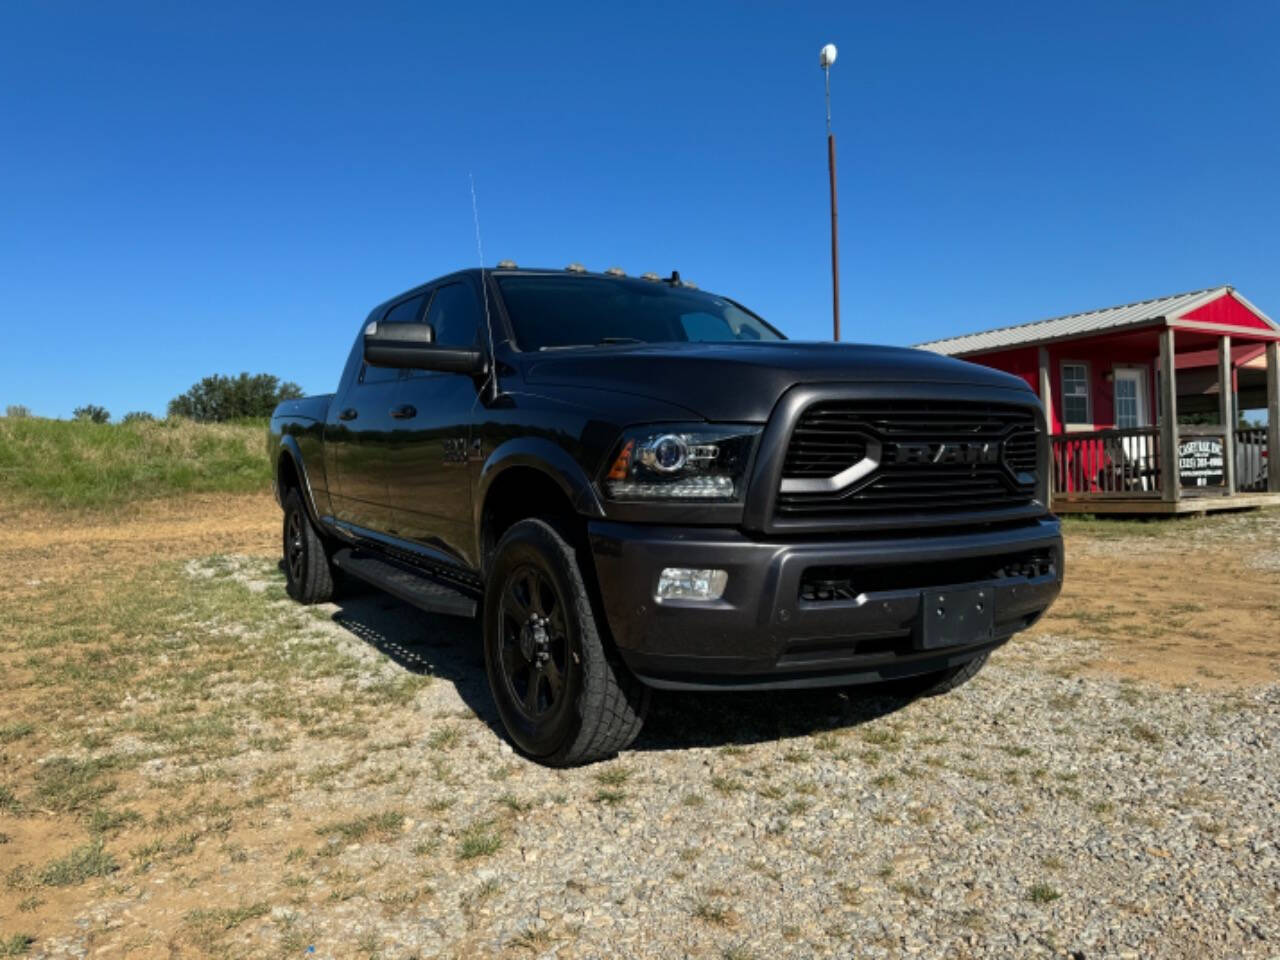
(218, 398)
(16, 411)
(137, 416)
(92, 412)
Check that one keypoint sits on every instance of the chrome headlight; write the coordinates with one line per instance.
(672, 463)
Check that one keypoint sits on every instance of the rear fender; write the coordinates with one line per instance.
(288, 448)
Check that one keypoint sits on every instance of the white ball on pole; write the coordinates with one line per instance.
(827, 56)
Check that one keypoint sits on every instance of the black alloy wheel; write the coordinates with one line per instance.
(561, 689)
(309, 576)
(535, 642)
(295, 556)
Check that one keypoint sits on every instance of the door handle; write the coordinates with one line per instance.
(348, 414)
(405, 411)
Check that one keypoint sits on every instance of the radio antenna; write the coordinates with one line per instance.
(484, 287)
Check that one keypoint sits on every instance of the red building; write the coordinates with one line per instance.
(1101, 376)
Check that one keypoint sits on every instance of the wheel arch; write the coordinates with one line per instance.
(527, 477)
(290, 473)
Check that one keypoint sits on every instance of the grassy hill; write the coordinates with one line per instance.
(69, 463)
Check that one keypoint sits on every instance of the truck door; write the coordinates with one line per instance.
(430, 489)
(362, 435)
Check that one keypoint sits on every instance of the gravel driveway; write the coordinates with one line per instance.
(1037, 811)
(1031, 813)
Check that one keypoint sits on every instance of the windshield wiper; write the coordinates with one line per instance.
(602, 342)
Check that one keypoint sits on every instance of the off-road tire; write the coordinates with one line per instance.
(309, 576)
(602, 705)
(944, 681)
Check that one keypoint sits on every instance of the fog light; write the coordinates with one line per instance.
(679, 583)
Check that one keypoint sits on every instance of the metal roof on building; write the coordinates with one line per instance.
(1077, 324)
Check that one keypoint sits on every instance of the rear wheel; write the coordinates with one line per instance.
(308, 573)
(563, 695)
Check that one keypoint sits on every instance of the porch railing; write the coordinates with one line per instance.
(1110, 464)
(1107, 463)
(1251, 460)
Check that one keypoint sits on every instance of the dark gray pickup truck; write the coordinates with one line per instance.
(634, 484)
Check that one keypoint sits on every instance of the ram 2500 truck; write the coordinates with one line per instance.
(634, 484)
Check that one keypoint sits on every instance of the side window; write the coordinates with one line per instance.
(455, 315)
(407, 312)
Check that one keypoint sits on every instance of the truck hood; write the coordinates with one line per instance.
(742, 381)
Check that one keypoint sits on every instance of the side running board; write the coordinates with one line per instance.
(411, 587)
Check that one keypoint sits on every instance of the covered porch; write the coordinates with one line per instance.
(1114, 382)
(1160, 465)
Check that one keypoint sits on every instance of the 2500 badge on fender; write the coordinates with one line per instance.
(635, 485)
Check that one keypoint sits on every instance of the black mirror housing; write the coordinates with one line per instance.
(413, 346)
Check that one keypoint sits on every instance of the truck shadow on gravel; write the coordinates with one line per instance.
(448, 648)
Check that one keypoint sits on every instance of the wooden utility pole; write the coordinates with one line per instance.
(835, 241)
(826, 59)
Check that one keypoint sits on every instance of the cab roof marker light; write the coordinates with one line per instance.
(650, 275)
(616, 272)
(576, 267)
(506, 265)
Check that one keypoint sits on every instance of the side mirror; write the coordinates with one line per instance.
(413, 345)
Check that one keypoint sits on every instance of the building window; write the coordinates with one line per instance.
(1075, 394)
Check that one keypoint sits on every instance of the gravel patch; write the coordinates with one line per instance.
(1034, 812)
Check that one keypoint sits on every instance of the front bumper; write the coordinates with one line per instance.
(763, 634)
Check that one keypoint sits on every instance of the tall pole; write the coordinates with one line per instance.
(828, 57)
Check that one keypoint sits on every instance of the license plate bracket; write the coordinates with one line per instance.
(952, 618)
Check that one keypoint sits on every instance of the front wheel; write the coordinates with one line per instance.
(564, 696)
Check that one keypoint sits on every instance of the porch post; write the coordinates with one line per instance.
(1046, 389)
(1227, 412)
(1170, 476)
(1046, 397)
(1273, 417)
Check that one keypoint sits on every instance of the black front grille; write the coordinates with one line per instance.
(935, 456)
(817, 450)
(1021, 449)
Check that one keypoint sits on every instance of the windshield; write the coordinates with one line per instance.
(561, 311)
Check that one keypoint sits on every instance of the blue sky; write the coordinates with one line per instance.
(191, 189)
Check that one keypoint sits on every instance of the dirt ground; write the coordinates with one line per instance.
(1181, 602)
(45, 547)
(182, 757)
